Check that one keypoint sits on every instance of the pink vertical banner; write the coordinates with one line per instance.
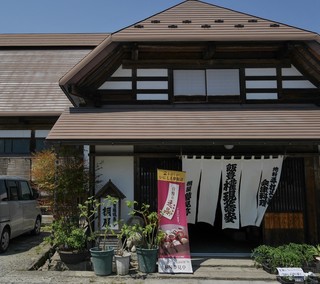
(174, 254)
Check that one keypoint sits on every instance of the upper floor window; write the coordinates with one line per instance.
(14, 146)
(209, 82)
(229, 85)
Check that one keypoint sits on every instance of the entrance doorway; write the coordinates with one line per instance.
(207, 239)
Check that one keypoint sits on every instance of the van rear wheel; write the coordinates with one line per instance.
(5, 239)
(37, 227)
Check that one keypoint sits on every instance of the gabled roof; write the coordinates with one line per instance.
(199, 21)
(190, 21)
(110, 189)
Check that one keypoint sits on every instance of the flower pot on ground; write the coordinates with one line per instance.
(73, 257)
(122, 255)
(151, 236)
(123, 263)
(101, 256)
(70, 241)
(147, 259)
(102, 260)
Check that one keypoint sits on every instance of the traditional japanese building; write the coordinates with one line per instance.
(30, 98)
(230, 98)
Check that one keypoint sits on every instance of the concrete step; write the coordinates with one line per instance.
(222, 262)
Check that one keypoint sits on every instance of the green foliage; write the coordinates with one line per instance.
(262, 254)
(317, 250)
(63, 174)
(150, 232)
(43, 170)
(67, 236)
(89, 211)
(125, 232)
(289, 255)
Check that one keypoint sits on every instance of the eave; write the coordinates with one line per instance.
(174, 125)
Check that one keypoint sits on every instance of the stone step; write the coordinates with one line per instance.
(223, 262)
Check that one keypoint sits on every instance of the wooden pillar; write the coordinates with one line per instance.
(312, 180)
(316, 162)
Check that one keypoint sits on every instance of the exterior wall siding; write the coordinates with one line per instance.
(16, 166)
(118, 169)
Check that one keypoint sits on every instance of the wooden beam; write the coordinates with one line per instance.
(201, 63)
(209, 52)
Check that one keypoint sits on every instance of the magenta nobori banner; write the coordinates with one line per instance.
(175, 249)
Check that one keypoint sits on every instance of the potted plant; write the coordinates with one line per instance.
(151, 236)
(288, 255)
(70, 241)
(122, 255)
(101, 256)
(263, 257)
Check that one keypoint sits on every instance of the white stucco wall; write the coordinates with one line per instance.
(120, 170)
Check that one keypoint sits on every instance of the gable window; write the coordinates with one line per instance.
(189, 82)
(223, 82)
(206, 83)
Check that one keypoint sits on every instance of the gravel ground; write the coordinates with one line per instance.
(22, 253)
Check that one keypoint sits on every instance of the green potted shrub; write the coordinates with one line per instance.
(101, 256)
(289, 255)
(151, 236)
(262, 256)
(69, 240)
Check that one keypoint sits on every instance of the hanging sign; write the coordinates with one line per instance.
(174, 250)
(231, 173)
(269, 183)
(192, 167)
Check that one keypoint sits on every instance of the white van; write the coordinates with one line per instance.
(19, 210)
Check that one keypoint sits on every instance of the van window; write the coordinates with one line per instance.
(3, 191)
(13, 189)
(25, 191)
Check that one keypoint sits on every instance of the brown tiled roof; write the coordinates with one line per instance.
(200, 21)
(24, 40)
(29, 75)
(191, 125)
(190, 21)
(90, 61)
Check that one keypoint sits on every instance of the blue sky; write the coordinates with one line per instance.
(105, 16)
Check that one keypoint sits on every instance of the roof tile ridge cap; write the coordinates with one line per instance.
(85, 60)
